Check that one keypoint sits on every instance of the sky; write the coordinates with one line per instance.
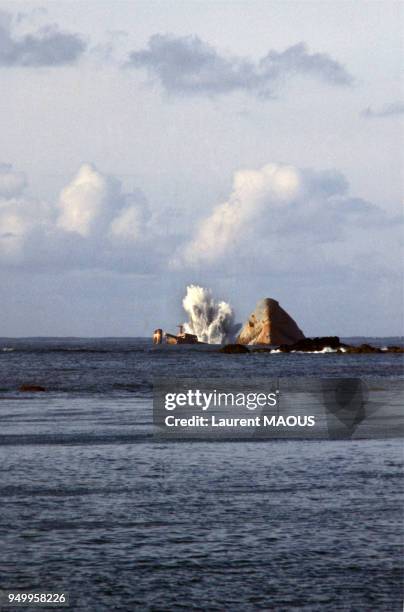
(250, 147)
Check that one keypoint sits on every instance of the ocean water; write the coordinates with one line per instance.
(93, 505)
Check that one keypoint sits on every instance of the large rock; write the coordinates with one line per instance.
(270, 324)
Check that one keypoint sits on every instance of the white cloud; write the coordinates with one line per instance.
(280, 218)
(86, 204)
(254, 192)
(281, 215)
(93, 224)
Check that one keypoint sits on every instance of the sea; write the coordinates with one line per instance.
(94, 506)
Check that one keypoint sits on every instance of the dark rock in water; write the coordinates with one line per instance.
(363, 348)
(269, 324)
(313, 344)
(234, 348)
(32, 389)
(394, 349)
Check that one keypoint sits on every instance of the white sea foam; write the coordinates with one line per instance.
(211, 321)
(326, 349)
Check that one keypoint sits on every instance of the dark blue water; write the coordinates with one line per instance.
(92, 505)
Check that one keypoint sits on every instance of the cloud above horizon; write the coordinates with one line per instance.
(94, 224)
(279, 218)
(187, 65)
(388, 110)
(49, 46)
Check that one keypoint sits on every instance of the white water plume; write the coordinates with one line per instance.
(211, 321)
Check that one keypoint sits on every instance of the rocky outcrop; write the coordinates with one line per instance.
(324, 344)
(395, 349)
(313, 344)
(270, 324)
(364, 348)
(368, 348)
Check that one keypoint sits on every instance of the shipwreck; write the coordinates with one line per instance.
(160, 337)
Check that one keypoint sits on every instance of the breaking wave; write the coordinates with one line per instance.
(211, 321)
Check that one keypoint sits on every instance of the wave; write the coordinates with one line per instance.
(210, 321)
(326, 349)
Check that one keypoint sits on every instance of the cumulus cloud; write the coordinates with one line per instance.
(274, 207)
(277, 218)
(93, 204)
(188, 65)
(388, 110)
(93, 223)
(49, 46)
(85, 204)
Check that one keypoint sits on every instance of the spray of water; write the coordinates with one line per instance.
(211, 321)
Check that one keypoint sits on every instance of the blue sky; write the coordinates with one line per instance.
(251, 147)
